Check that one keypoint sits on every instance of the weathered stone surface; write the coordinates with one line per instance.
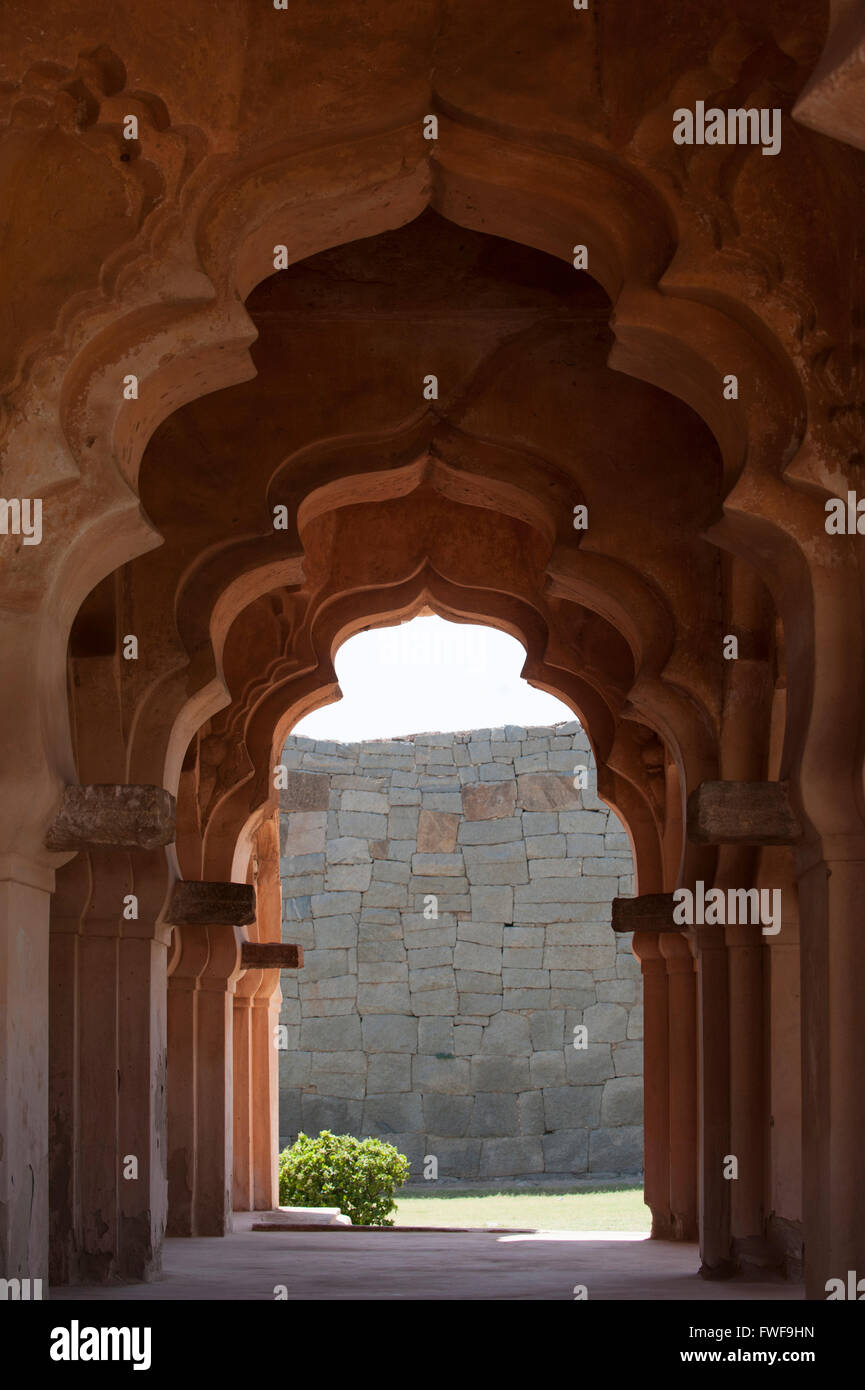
(425, 958)
(456, 1157)
(495, 1114)
(467, 1039)
(330, 1112)
(547, 1029)
(531, 1108)
(572, 1107)
(470, 956)
(389, 1033)
(545, 847)
(447, 1114)
(448, 802)
(742, 813)
(492, 903)
(438, 865)
(590, 1065)
(486, 802)
(352, 877)
(467, 1012)
(507, 1036)
(336, 904)
(432, 977)
(304, 791)
(381, 972)
(606, 1022)
(391, 871)
(386, 998)
(366, 825)
(437, 1002)
(450, 1075)
(548, 1068)
(303, 885)
(302, 833)
(567, 891)
(504, 830)
(364, 801)
(334, 931)
(392, 1114)
(331, 1034)
(437, 832)
(557, 868)
(583, 822)
(348, 850)
(545, 791)
(567, 1151)
(618, 1150)
(435, 1035)
(109, 815)
(622, 1102)
(196, 903)
(503, 1157)
(509, 1074)
(627, 1058)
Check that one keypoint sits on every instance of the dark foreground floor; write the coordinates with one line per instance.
(405, 1265)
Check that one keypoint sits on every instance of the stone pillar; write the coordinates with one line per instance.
(713, 1052)
(190, 958)
(243, 1189)
(143, 1206)
(111, 961)
(264, 1017)
(265, 1096)
(656, 1082)
(783, 1201)
(214, 1097)
(209, 915)
(745, 954)
(831, 893)
(25, 896)
(67, 910)
(122, 980)
(682, 1049)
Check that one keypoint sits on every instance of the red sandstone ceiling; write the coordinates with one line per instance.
(411, 258)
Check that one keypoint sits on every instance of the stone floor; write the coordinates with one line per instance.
(403, 1265)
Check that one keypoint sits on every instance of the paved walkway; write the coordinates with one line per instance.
(403, 1265)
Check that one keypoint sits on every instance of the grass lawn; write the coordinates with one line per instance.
(604, 1207)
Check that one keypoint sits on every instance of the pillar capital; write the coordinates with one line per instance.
(675, 948)
(16, 868)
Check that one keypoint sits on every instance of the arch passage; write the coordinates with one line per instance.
(706, 515)
(299, 517)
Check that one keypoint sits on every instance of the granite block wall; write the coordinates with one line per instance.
(452, 894)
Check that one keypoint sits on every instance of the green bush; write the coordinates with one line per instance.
(360, 1176)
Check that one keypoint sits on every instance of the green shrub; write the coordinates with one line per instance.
(360, 1176)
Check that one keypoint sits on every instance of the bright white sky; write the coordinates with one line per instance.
(430, 676)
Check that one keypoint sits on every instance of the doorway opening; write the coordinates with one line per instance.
(449, 870)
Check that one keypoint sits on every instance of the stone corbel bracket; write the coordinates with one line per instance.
(650, 912)
(202, 903)
(742, 813)
(271, 955)
(109, 815)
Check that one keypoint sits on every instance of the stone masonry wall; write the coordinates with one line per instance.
(453, 1036)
